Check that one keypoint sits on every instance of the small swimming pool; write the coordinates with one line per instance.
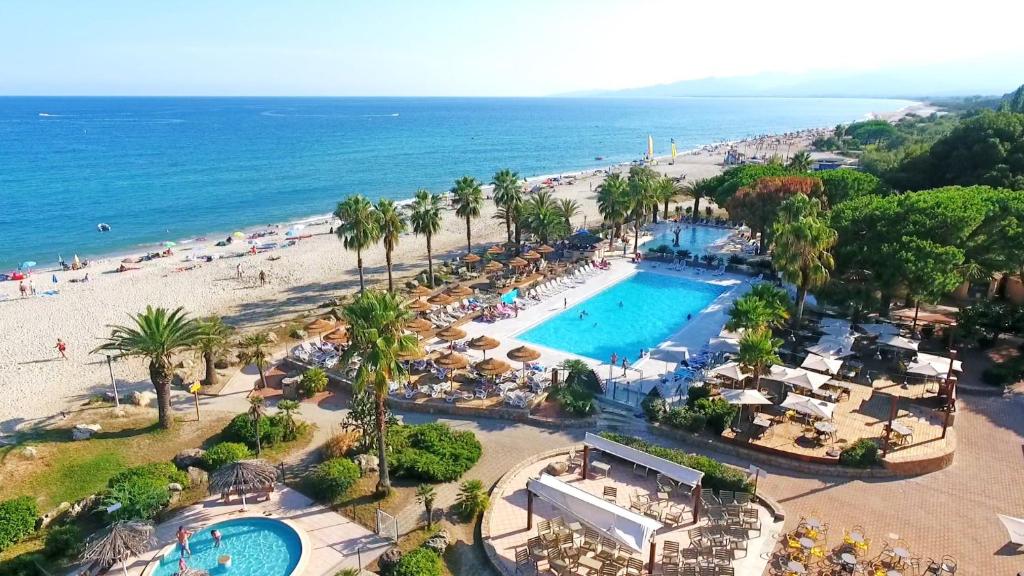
(257, 546)
(636, 314)
(692, 237)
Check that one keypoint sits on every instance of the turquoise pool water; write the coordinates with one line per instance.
(696, 239)
(653, 307)
(258, 547)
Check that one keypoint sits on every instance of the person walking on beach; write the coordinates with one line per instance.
(62, 348)
(263, 278)
(23, 289)
(565, 303)
(238, 271)
(31, 287)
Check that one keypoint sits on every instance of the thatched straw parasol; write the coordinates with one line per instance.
(420, 325)
(493, 367)
(460, 291)
(531, 255)
(484, 343)
(451, 334)
(545, 249)
(496, 249)
(414, 354)
(493, 266)
(320, 325)
(470, 258)
(120, 542)
(517, 262)
(243, 476)
(419, 306)
(339, 336)
(523, 354)
(451, 361)
(440, 299)
(421, 290)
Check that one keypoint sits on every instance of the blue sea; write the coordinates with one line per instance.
(159, 169)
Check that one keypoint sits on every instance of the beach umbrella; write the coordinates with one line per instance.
(805, 379)
(743, 398)
(880, 329)
(169, 244)
(523, 354)
(75, 261)
(724, 345)
(460, 291)
(822, 364)
(440, 299)
(1015, 527)
(496, 249)
(451, 334)
(120, 542)
(809, 406)
(896, 341)
(732, 371)
(414, 354)
(531, 255)
(419, 306)
(492, 367)
(238, 234)
(26, 265)
(931, 365)
(493, 266)
(420, 324)
(836, 330)
(243, 476)
(545, 249)
(517, 262)
(484, 343)
(339, 336)
(420, 290)
(470, 258)
(320, 325)
(451, 361)
(832, 347)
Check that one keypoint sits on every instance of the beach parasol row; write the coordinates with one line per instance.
(451, 334)
(470, 258)
(420, 306)
(517, 262)
(421, 290)
(440, 299)
(420, 324)
(484, 343)
(460, 291)
(496, 249)
(493, 266)
(320, 325)
(451, 361)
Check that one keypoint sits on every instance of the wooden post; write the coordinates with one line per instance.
(888, 428)
(650, 561)
(695, 496)
(586, 462)
(529, 510)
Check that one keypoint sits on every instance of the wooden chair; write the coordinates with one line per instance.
(751, 520)
(611, 494)
(725, 571)
(523, 560)
(722, 556)
(670, 552)
(608, 550)
(673, 570)
(689, 555)
(538, 551)
(696, 535)
(567, 543)
(544, 530)
(687, 571)
(738, 540)
(673, 515)
(634, 567)
(591, 540)
(610, 569)
(727, 497)
(743, 498)
(558, 563)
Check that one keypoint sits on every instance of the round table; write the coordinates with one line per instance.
(902, 553)
(813, 523)
(807, 543)
(856, 536)
(848, 559)
(894, 573)
(797, 567)
(825, 427)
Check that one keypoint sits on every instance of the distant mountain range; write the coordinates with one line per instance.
(990, 77)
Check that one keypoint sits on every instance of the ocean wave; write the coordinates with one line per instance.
(48, 115)
(395, 115)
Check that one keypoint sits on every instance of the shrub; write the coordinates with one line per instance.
(686, 419)
(332, 479)
(17, 520)
(225, 453)
(472, 499)
(654, 405)
(574, 399)
(861, 454)
(165, 472)
(718, 412)
(419, 562)
(341, 445)
(582, 375)
(242, 428)
(63, 541)
(23, 565)
(140, 498)
(1004, 373)
(736, 260)
(717, 476)
(695, 393)
(314, 381)
(432, 452)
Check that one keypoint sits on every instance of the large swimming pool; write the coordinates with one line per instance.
(636, 314)
(257, 546)
(694, 238)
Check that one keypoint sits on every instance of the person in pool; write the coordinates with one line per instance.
(183, 536)
(182, 566)
(216, 535)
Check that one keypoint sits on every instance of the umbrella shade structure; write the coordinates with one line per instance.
(895, 341)
(832, 347)
(238, 234)
(496, 249)
(339, 336)
(452, 361)
(731, 370)
(414, 354)
(517, 262)
(420, 306)
(745, 397)
(451, 334)
(804, 378)
(724, 345)
(168, 244)
(484, 343)
(880, 329)
(420, 290)
(243, 476)
(545, 249)
(836, 331)
(826, 322)
(470, 258)
(419, 325)
(523, 354)
(809, 406)
(27, 265)
(120, 542)
(932, 365)
(320, 325)
(492, 367)
(493, 266)
(460, 291)
(440, 299)
(1015, 528)
(822, 364)
(531, 255)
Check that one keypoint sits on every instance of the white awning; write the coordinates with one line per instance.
(809, 406)
(822, 364)
(832, 347)
(730, 370)
(805, 378)
(677, 472)
(898, 342)
(625, 527)
(723, 345)
(1015, 527)
(744, 397)
(940, 362)
(880, 329)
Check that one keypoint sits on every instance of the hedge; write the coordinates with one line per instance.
(861, 454)
(432, 452)
(242, 428)
(165, 472)
(419, 562)
(225, 453)
(17, 520)
(717, 476)
(332, 479)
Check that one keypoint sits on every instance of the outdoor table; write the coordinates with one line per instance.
(590, 563)
(602, 467)
(901, 429)
(848, 559)
(663, 495)
(807, 543)
(856, 536)
(813, 523)
(762, 422)
(797, 567)
(575, 527)
(894, 573)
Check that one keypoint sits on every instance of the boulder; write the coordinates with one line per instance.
(175, 487)
(83, 505)
(367, 463)
(438, 542)
(388, 560)
(557, 468)
(29, 452)
(196, 476)
(221, 364)
(84, 431)
(189, 458)
(143, 399)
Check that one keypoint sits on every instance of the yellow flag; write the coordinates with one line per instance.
(650, 147)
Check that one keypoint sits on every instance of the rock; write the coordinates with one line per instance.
(196, 476)
(84, 431)
(175, 497)
(388, 560)
(48, 518)
(438, 542)
(142, 398)
(367, 463)
(175, 487)
(82, 505)
(30, 452)
(271, 337)
(188, 458)
(221, 364)
(557, 468)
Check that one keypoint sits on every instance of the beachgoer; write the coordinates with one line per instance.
(582, 315)
(689, 316)
(23, 288)
(62, 348)
(565, 302)
(183, 536)
(620, 304)
(31, 287)
(615, 358)
(238, 270)
(216, 537)
(182, 566)
(625, 365)
(263, 278)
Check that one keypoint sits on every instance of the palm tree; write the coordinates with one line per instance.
(392, 226)
(613, 202)
(803, 240)
(257, 410)
(213, 339)
(377, 320)
(775, 300)
(568, 209)
(426, 221)
(748, 314)
(758, 351)
(508, 195)
(156, 336)
(425, 495)
(542, 217)
(800, 162)
(469, 199)
(664, 191)
(697, 189)
(254, 352)
(642, 197)
(360, 228)
(288, 410)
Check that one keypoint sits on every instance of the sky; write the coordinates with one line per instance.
(472, 47)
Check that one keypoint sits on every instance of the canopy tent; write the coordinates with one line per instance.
(896, 341)
(1015, 527)
(829, 347)
(932, 365)
(745, 397)
(809, 406)
(731, 370)
(625, 527)
(880, 329)
(822, 364)
(804, 378)
(676, 472)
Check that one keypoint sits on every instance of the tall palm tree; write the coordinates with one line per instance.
(377, 321)
(758, 351)
(568, 209)
(507, 195)
(360, 228)
(426, 221)
(392, 226)
(257, 410)
(642, 198)
(469, 199)
(803, 240)
(697, 189)
(664, 190)
(748, 314)
(775, 300)
(155, 335)
(288, 410)
(800, 162)
(213, 339)
(613, 202)
(254, 351)
(542, 217)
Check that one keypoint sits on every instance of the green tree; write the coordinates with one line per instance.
(359, 229)
(758, 206)
(699, 189)
(613, 202)
(803, 244)
(642, 198)
(212, 339)
(392, 226)
(758, 351)
(542, 216)
(763, 307)
(254, 351)
(800, 162)
(845, 184)
(930, 271)
(288, 410)
(257, 412)
(469, 199)
(568, 209)
(472, 499)
(157, 335)
(664, 190)
(377, 321)
(426, 221)
(728, 183)
(775, 299)
(508, 195)
(1014, 101)
(425, 495)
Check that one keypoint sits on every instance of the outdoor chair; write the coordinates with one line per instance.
(670, 552)
(706, 570)
(610, 569)
(640, 470)
(673, 515)
(524, 561)
(722, 556)
(689, 555)
(738, 540)
(545, 532)
(607, 551)
(639, 503)
(538, 551)
(591, 539)
(557, 563)
(634, 567)
(611, 494)
(743, 498)
(688, 571)
(697, 535)
(725, 571)
(751, 520)
(727, 497)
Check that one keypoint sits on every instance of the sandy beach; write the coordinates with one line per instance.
(37, 384)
